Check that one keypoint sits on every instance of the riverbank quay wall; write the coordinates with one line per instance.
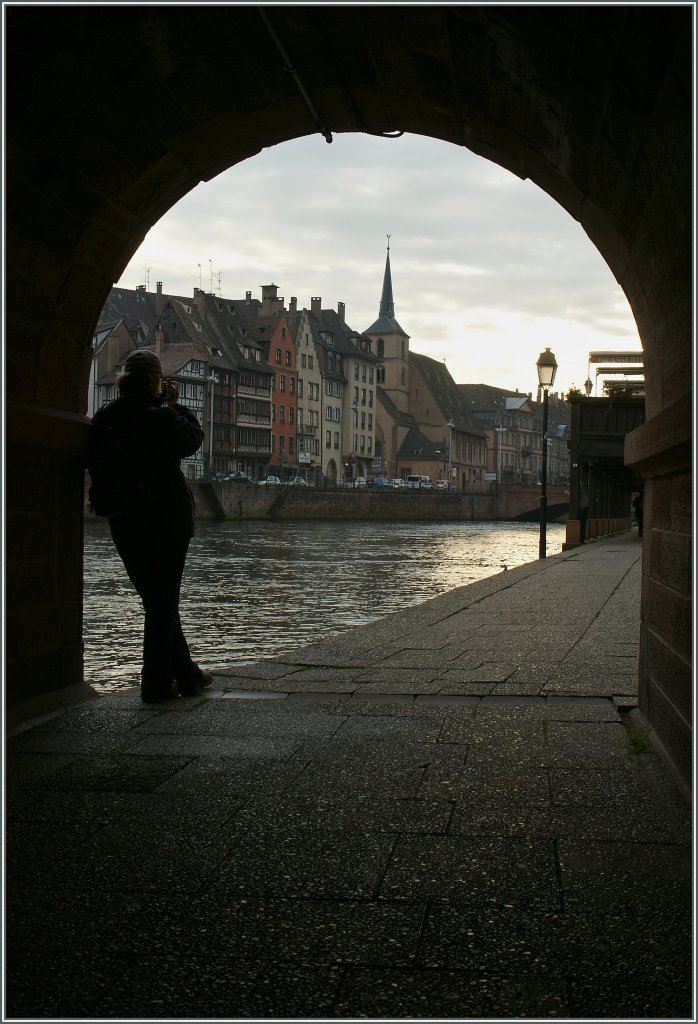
(229, 500)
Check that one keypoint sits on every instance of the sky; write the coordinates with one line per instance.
(487, 270)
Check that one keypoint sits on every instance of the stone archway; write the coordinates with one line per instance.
(114, 113)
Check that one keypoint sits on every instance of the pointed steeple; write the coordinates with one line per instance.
(387, 306)
(386, 322)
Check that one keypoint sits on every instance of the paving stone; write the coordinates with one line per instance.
(187, 986)
(358, 812)
(388, 727)
(322, 932)
(309, 863)
(246, 745)
(474, 870)
(429, 994)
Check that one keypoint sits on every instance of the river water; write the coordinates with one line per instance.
(255, 590)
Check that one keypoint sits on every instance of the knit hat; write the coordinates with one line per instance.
(142, 361)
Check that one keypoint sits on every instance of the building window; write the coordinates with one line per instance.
(310, 362)
(291, 414)
(278, 357)
(336, 441)
(288, 354)
(282, 414)
(282, 382)
(300, 388)
(328, 439)
(292, 385)
(304, 360)
(356, 371)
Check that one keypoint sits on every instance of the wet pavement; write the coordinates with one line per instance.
(454, 812)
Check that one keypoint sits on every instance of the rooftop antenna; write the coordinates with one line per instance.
(219, 283)
(211, 263)
(147, 276)
(199, 266)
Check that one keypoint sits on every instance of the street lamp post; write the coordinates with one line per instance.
(499, 431)
(213, 380)
(450, 426)
(547, 367)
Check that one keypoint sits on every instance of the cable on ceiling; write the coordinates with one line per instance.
(293, 71)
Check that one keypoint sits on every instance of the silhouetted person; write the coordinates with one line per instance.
(136, 444)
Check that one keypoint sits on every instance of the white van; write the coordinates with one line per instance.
(422, 483)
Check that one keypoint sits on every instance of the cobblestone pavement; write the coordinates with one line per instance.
(451, 813)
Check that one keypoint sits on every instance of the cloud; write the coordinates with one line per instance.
(487, 269)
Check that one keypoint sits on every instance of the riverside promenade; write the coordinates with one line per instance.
(452, 813)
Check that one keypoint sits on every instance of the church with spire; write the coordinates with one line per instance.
(421, 424)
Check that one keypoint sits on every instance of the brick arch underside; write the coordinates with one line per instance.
(117, 114)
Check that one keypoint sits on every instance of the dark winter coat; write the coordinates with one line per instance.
(134, 462)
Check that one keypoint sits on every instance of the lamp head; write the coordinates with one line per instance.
(547, 368)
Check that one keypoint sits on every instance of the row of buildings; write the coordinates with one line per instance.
(288, 390)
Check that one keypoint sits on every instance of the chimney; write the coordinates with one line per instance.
(248, 296)
(268, 299)
(159, 338)
(340, 311)
(293, 305)
(201, 301)
(316, 306)
(158, 299)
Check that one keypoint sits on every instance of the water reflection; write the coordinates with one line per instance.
(253, 590)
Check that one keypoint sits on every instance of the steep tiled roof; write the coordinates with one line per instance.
(416, 445)
(445, 392)
(405, 419)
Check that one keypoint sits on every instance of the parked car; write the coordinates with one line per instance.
(270, 480)
(441, 485)
(359, 481)
(239, 477)
(398, 482)
(297, 481)
(378, 481)
(418, 482)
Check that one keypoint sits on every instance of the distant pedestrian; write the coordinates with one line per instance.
(637, 505)
(136, 444)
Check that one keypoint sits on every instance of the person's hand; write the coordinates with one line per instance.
(171, 392)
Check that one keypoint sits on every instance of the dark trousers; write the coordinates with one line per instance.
(154, 560)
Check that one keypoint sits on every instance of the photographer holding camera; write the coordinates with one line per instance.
(136, 444)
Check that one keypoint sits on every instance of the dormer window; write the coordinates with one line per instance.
(216, 352)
